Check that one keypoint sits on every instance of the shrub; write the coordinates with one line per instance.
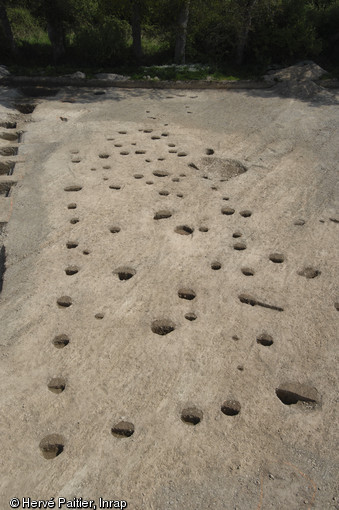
(104, 44)
(285, 35)
(212, 33)
(326, 22)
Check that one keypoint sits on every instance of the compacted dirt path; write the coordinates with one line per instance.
(170, 304)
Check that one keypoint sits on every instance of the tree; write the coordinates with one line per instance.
(61, 16)
(55, 13)
(245, 26)
(7, 30)
(322, 4)
(132, 11)
(136, 30)
(56, 34)
(180, 45)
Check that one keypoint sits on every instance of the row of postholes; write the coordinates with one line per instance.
(11, 135)
(289, 394)
(6, 165)
(53, 445)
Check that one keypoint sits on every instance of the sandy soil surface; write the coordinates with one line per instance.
(169, 311)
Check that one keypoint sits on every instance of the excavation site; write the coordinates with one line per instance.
(169, 296)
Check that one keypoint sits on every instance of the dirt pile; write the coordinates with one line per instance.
(299, 81)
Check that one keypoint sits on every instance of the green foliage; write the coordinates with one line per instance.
(326, 23)
(283, 34)
(26, 28)
(172, 72)
(70, 12)
(103, 44)
(154, 46)
(4, 47)
(213, 32)
(185, 72)
(98, 33)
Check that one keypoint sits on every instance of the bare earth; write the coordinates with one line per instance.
(169, 314)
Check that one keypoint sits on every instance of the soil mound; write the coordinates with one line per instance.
(298, 81)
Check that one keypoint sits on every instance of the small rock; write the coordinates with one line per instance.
(111, 76)
(78, 75)
(299, 222)
(4, 72)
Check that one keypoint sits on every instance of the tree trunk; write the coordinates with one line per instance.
(7, 29)
(245, 28)
(136, 31)
(56, 35)
(180, 45)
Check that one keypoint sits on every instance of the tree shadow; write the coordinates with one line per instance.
(30, 91)
(311, 93)
(2, 265)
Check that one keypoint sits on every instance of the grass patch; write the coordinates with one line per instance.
(153, 46)
(164, 73)
(181, 73)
